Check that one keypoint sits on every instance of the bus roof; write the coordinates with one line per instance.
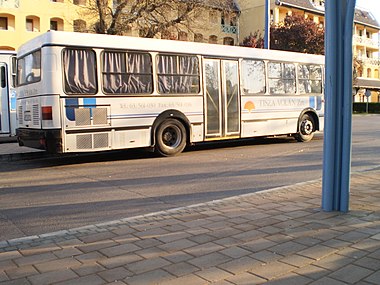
(58, 38)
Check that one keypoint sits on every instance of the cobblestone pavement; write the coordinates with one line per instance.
(279, 236)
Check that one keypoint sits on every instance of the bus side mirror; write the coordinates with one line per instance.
(3, 80)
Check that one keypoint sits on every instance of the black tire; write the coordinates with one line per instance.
(306, 128)
(170, 138)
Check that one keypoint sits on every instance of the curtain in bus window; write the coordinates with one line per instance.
(140, 73)
(167, 70)
(127, 73)
(188, 68)
(114, 72)
(80, 71)
(178, 74)
(253, 76)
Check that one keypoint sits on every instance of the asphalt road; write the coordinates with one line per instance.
(51, 194)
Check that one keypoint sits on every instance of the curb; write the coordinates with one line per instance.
(22, 156)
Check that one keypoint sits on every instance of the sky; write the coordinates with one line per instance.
(372, 6)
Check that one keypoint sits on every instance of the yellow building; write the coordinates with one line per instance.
(365, 39)
(21, 20)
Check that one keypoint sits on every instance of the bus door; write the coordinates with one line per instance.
(222, 100)
(4, 99)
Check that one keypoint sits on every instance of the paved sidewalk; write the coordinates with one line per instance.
(11, 151)
(279, 236)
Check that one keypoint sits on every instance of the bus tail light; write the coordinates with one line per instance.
(47, 113)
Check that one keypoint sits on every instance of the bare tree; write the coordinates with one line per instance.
(254, 40)
(151, 17)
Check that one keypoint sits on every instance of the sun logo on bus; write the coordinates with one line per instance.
(249, 106)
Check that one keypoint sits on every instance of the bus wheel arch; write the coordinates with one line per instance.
(170, 133)
(308, 123)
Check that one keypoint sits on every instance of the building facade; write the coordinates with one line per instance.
(21, 20)
(216, 21)
(365, 38)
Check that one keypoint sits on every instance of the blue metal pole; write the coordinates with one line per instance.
(347, 105)
(267, 25)
(338, 112)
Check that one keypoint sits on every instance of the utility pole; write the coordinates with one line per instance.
(267, 25)
(338, 105)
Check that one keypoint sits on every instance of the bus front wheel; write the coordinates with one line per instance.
(170, 138)
(306, 129)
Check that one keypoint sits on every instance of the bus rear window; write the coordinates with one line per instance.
(79, 71)
(29, 68)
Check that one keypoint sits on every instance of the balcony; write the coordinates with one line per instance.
(9, 4)
(363, 41)
(230, 29)
(370, 61)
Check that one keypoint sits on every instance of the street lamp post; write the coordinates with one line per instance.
(267, 25)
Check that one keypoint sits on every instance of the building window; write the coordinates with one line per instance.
(29, 25)
(369, 73)
(198, 38)
(228, 41)
(213, 17)
(54, 25)
(128, 30)
(182, 36)
(224, 19)
(3, 23)
(213, 39)
(80, 2)
(79, 25)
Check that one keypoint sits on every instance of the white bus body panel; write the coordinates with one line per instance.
(117, 123)
(268, 115)
(8, 122)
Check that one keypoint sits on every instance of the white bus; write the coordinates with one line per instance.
(7, 93)
(89, 92)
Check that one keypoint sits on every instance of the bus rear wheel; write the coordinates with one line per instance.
(170, 138)
(306, 129)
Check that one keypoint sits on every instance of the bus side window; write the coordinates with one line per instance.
(310, 78)
(13, 71)
(253, 76)
(127, 73)
(80, 71)
(3, 78)
(282, 78)
(178, 74)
